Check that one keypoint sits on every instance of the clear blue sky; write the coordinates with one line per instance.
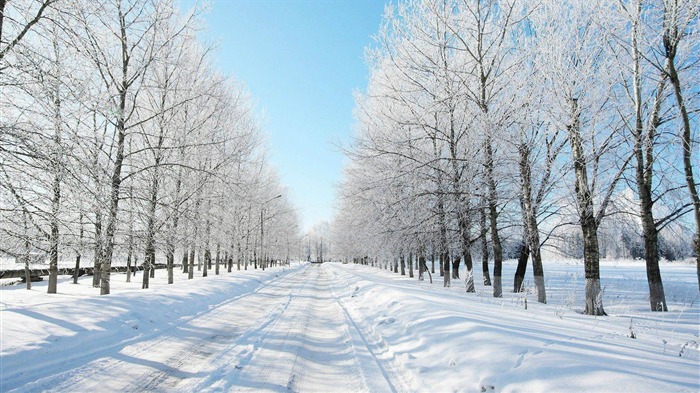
(301, 61)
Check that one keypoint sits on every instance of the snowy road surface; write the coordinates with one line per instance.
(350, 328)
(289, 335)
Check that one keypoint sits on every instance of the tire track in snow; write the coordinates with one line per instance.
(113, 361)
(308, 349)
(202, 352)
(333, 329)
(389, 366)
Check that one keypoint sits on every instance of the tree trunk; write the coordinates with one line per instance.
(53, 239)
(670, 44)
(657, 298)
(207, 262)
(190, 272)
(27, 251)
(128, 266)
(493, 221)
(170, 264)
(238, 257)
(445, 263)
(644, 146)
(464, 228)
(116, 174)
(469, 279)
(147, 266)
(403, 265)
(185, 268)
(538, 272)
(218, 256)
(421, 266)
(531, 233)
(484, 248)
(76, 271)
(410, 265)
(421, 260)
(97, 259)
(521, 269)
(455, 266)
(589, 226)
(591, 260)
(151, 222)
(170, 246)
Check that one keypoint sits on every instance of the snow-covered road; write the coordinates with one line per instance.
(348, 328)
(307, 344)
(291, 334)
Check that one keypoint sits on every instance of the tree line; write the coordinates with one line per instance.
(499, 128)
(120, 140)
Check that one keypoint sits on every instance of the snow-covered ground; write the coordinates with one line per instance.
(334, 327)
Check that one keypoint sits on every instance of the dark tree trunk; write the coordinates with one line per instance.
(644, 154)
(170, 263)
(657, 298)
(484, 248)
(521, 269)
(410, 265)
(116, 180)
(671, 40)
(151, 228)
(128, 266)
(464, 228)
(53, 240)
(538, 272)
(591, 256)
(27, 272)
(218, 258)
(455, 266)
(27, 251)
(190, 272)
(587, 220)
(185, 268)
(76, 271)
(403, 265)
(531, 234)
(147, 266)
(207, 262)
(421, 267)
(469, 280)
(97, 259)
(445, 263)
(493, 221)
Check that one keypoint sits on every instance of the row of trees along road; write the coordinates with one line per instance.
(120, 140)
(500, 127)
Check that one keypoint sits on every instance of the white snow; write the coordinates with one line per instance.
(334, 327)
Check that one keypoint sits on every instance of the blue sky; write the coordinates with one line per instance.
(301, 61)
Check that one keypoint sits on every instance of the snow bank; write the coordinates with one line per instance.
(448, 340)
(44, 332)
